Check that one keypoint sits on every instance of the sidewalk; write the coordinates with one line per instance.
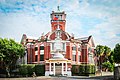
(104, 74)
(101, 76)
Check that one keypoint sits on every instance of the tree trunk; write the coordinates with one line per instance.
(8, 71)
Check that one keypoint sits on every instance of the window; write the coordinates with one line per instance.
(74, 48)
(91, 58)
(36, 58)
(52, 46)
(79, 49)
(63, 46)
(36, 48)
(73, 57)
(41, 47)
(79, 58)
(41, 57)
(60, 17)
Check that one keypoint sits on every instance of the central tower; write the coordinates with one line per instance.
(58, 20)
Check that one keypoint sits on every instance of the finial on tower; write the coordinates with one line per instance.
(58, 8)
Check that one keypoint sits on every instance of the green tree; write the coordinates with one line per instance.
(99, 50)
(10, 51)
(108, 66)
(99, 53)
(111, 57)
(107, 52)
(105, 56)
(117, 53)
(103, 51)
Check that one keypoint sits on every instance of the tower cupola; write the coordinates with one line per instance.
(58, 20)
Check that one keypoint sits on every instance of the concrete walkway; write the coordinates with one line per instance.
(105, 76)
(63, 78)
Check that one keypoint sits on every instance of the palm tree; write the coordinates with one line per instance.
(99, 52)
(107, 52)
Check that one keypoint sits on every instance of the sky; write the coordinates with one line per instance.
(99, 18)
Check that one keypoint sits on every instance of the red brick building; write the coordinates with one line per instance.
(57, 49)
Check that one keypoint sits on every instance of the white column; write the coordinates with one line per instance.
(50, 67)
(62, 68)
(54, 69)
(66, 68)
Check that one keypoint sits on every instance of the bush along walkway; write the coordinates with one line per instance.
(83, 70)
(27, 70)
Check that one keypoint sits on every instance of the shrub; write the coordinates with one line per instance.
(108, 65)
(23, 70)
(31, 69)
(40, 70)
(111, 67)
(86, 69)
(75, 69)
(83, 69)
(28, 69)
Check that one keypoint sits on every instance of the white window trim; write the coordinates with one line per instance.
(36, 52)
(74, 52)
(41, 52)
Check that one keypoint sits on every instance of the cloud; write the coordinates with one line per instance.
(103, 20)
(106, 32)
(13, 26)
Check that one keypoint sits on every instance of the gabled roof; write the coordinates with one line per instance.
(87, 39)
(26, 39)
(31, 37)
(76, 40)
(83, 38)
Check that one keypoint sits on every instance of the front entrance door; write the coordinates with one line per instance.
(58, 69)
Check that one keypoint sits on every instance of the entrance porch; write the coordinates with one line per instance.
(58, 67)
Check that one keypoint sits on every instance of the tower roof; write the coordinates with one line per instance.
(58, 12)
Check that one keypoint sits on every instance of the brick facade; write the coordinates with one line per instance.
(77, 50)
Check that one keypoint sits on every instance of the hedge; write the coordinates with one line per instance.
(40, 70)
(83, 69)
(23, 70)
(28, 69)
(31, 69)
(86, 69)
(75, 69)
